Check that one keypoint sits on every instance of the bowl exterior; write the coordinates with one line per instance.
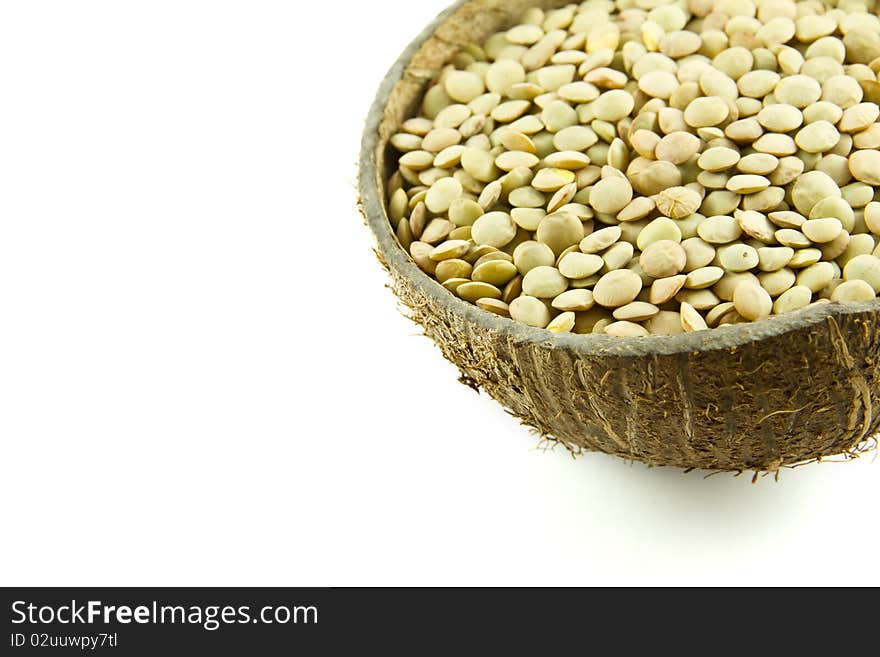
(752, 396)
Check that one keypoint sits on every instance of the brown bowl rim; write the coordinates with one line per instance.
(370, 184)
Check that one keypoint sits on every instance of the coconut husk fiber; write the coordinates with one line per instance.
(754, 396)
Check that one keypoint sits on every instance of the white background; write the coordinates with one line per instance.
(204, 381)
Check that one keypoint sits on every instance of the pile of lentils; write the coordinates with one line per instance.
(649, 167)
